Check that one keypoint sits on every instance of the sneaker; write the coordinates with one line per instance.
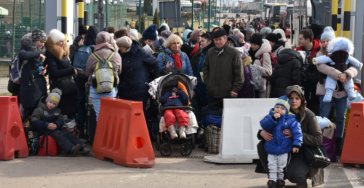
(182, 132)
(75, 150)
(281, 183)
(172, 132)
(271, 184)
(86, 149)
(302, 184)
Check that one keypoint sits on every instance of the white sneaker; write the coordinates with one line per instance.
(172, 132)
(182, 132)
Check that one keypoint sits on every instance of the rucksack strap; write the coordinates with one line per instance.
(96, 56)
(164, 57)
(108, 57)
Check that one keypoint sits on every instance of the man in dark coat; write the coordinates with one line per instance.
(82, 30)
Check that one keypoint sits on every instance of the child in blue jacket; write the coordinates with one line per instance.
(279, 119)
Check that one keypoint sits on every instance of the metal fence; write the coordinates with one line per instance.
(116, 14)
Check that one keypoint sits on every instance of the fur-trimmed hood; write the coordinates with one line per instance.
(28, 45)
(265, 48)
(57, 51)
(340, 43)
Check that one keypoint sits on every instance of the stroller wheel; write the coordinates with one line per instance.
(185, 149)
(193, 142)
(158, 142)
(166, 150)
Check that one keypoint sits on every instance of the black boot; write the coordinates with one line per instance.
(338, 146)
(271, 184)
(75, 150)
(281, 183)
(86, 149)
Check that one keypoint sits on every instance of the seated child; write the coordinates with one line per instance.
(47, 119)
(339, 50)
(278, 148)
(175, 98)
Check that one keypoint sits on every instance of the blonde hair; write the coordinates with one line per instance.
(171, 39)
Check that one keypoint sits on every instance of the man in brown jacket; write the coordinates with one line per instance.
(222, 70)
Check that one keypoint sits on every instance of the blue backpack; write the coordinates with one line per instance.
(13, 70)
(81, 57)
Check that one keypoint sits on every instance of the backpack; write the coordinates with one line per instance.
(256, 77)
(211, 116)
(103, 78)
(13, 70)
(273, 59)
(81, 57)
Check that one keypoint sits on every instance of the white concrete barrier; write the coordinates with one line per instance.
(240, 125)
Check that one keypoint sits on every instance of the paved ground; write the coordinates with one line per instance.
(90, 172)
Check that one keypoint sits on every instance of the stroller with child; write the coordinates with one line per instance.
(158, 88)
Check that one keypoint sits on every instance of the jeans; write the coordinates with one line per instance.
(95, 98)
(340, 108)
(82, 113)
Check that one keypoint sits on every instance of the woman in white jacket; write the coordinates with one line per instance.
(259, 52)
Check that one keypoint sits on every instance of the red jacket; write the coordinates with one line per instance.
(316, 47)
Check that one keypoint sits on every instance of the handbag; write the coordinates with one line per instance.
(316, 156)
(67, 85)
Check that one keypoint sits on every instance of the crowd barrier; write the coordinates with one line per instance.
(240, 125)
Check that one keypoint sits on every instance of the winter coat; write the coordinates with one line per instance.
(265, 65)
(286, 73)
(32, 85)
(181, 100)
(186, 65)
(223, 71)
(194, 60)
(311, 76)
(279, 144)
(59, 65)
(104, 45)
(276, 49)
(42, 116)
(139, 68)
(247, 91)
(201, 87)
(330, 70)
(74, 47)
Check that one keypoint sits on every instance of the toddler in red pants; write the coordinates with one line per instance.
(175, 98)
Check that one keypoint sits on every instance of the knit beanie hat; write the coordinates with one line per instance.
(257, 39)
(150, 33)
(285, 102)
(166, 33)
(56, 35)
(265, 31)
(38, 35)
(328, 33)
(124, 42)
(134, 33)
(239, 34)
(82, 30)
(317, 30)
(158, 44)
(272, 37)
(55, 96)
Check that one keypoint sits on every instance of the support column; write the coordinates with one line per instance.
(64, 18)
(339, 20)
(334, 15)
(86, 19)
(193, 13)
(346, 19)
(81, 15)
(209, 16)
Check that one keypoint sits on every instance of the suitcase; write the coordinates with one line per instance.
(212, 139)
(48, 146)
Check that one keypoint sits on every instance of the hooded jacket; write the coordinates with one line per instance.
(284, 39)
(235, 40)
(104, 45)
(279, 144)
(31, 90)
(181, 100)
(276, 49)
(286, 73)
(201, 87)
(139, 68)
(223, 72)
(74, 47)
(42, 116)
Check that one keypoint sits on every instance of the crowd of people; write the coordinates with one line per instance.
(222, 61)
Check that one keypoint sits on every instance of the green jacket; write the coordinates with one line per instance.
(223, 72)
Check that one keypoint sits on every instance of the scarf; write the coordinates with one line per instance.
(177, 60)
(252, 54)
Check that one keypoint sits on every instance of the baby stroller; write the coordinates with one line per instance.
(157, 89)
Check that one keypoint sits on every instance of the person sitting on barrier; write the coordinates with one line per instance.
(175, 98)
(298, 169)
(47, 119)
(278, 119)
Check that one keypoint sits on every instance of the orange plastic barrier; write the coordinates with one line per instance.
(122, 134)
(353, 150)
(12, 140)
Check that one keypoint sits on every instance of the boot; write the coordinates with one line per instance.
(75, 150)
(86, 149)
(281, 183)
(338, 146)
(182, 132)
(271, 184)
(302, 184)
(172, 132)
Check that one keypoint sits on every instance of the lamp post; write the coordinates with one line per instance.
(193, 13)
(209, 16)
